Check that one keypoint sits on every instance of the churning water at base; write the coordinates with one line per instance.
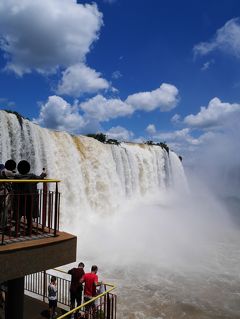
(166, 261)
(171, 256)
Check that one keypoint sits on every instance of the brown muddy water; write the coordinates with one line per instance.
(168, 261)
(212, 291)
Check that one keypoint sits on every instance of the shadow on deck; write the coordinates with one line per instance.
(34, 309)
(37, 309)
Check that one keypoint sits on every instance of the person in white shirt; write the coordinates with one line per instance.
(52, 296)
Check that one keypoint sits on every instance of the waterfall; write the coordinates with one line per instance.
(95, 176)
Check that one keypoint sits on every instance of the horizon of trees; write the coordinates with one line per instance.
(101, 137)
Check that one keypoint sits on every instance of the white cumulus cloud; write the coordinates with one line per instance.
(56, 113)
(120, 133)
(79, 79)
(214, 115)
(183, 140)
(104, 109)
(165, 98)
(176, 118)
(173, 135)
(227, 39)
(151, 129)
(43, 35)
(90, 113)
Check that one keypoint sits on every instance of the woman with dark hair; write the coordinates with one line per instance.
(8, 169)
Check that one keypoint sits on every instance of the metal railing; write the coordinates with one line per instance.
(103, 306)
(37, 284)
(27, 210)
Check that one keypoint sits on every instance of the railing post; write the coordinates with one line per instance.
(115, 306)
(44, 207)
(3, 208)
(108, 307)
(44, 284)
(17, 221)
(56, 210)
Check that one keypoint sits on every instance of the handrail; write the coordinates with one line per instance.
(24, 213)
(29, 180)
(88, 302)
(106, 301)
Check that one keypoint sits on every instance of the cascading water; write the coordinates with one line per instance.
(170, 254)
(95, 176)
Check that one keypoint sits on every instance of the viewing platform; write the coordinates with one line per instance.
(31, 241)
(31, 244)
(35, 299)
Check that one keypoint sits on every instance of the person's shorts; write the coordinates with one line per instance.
(52, 303)
(89, 306)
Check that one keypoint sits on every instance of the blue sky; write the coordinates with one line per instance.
(134, 69)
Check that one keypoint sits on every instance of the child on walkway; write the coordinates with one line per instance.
(52, 297)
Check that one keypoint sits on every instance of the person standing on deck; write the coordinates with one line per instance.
(76, 286)
(52, 297)
(7, 171)
(91, 282)
(27, 200)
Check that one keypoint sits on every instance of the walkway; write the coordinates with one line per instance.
(34, 309)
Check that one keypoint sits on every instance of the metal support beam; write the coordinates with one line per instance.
(15, 299)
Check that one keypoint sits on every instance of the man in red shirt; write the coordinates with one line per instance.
(91, 281)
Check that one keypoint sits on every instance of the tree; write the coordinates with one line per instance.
(19, 116)
(164, 146)
(113, 141)
(149, 143)
(99, 136)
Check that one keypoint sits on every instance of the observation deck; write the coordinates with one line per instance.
(30, 239)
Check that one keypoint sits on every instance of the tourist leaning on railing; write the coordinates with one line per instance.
(26, 202)
(7, 171)
(76, 286)
(91, 282)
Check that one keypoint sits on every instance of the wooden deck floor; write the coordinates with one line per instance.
(34, 309)
(8, 237)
